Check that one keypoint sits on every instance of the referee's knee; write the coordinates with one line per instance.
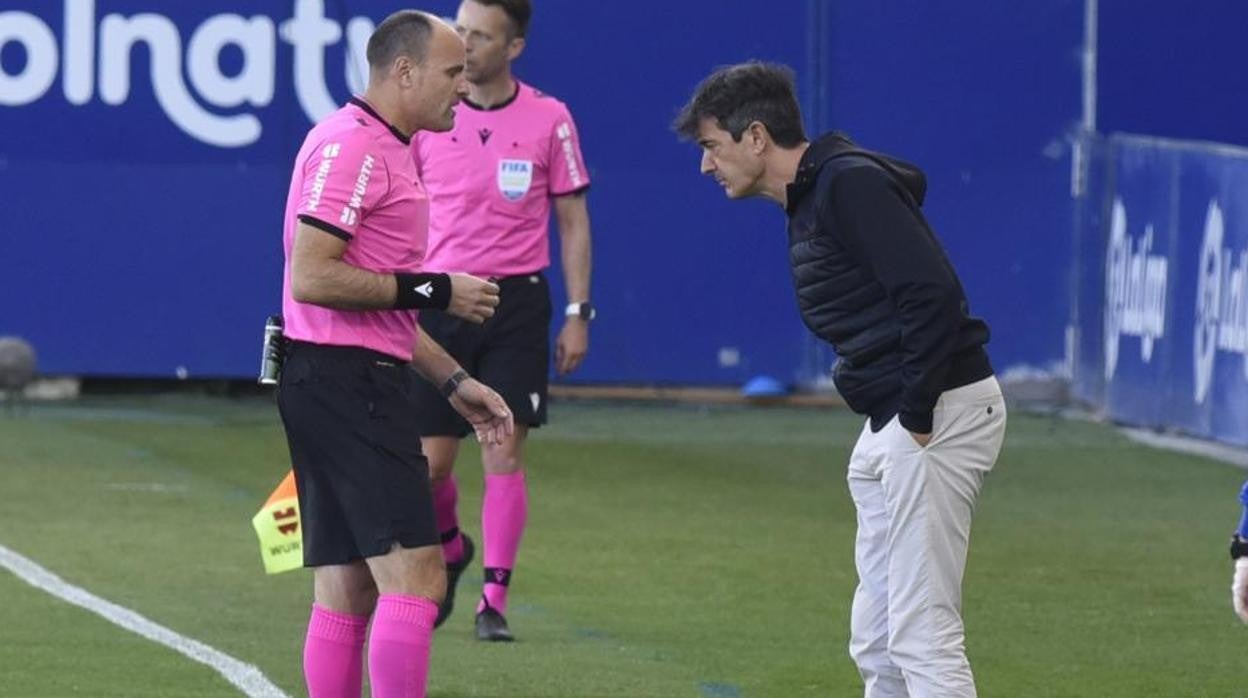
(411, 572)
(440, 473)
(502, 459)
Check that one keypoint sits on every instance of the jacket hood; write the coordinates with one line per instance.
(837, 145)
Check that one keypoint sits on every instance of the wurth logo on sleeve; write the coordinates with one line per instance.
(328, 153)
(564, 133)
(351, 212)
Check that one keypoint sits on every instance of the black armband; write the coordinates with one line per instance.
(431, 291)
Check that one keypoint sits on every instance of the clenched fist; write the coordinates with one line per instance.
(472, 299)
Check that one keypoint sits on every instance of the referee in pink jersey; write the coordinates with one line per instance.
(492, 180)
(355, 236)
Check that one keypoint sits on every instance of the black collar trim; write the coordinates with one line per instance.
(406, 140)
(494, 107)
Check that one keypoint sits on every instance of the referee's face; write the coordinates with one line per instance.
(734, 164)
(441, 82)
(487, 33)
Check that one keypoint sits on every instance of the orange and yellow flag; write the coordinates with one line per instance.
(277, 526)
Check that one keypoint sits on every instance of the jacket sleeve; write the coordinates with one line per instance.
(873, 218)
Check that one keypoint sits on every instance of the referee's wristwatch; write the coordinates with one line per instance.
(1239, 547)
(452, 384)
(584, 310)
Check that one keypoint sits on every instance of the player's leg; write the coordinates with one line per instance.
(457, 546)
(931, 493)
(314, 416)
(379, 482)
(441, 429)
(929, 518)
(514, 360)
(411, 582)
(333, 650)
(396, 531)
(868, 644)
(441, 452)
(363, 489)
(504, 515)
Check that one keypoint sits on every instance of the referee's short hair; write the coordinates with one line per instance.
(404, 33)
(518, 11)
(736, 96)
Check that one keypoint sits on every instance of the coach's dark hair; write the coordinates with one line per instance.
(519, 11)
(404, 33)
(736, 96)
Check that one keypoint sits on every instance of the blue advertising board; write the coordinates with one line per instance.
(145, 151)
(1172, 289)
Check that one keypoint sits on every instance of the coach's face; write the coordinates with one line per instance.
(439, 82)
(488, 33)
(736, 165)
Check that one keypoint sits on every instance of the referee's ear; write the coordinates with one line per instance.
(403, 71)
(515, 47)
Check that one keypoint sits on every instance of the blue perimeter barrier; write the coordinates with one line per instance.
(1161, 285)
(148, 148)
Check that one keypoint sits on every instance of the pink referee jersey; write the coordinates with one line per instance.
(490, 181)
(354, 178)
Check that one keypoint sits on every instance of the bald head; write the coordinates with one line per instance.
(416, 66)
(405, 34)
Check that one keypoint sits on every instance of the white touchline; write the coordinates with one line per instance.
(245, 677)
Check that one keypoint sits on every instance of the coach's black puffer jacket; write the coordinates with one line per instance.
(873, 281)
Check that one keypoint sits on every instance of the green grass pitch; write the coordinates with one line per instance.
(670, 552)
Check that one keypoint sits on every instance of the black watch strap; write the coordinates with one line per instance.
(452, 384)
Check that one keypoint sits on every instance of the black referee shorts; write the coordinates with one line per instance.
(510, 353)
(363, 482)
